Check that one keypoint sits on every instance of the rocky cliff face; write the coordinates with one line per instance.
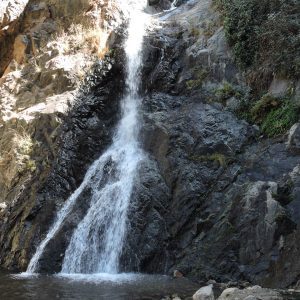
(221, 199)
(46, 55)
(54, 56)
(215, 199)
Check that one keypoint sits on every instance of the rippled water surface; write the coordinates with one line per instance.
(101, 286)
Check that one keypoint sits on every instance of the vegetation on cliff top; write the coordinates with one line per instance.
(264, 36)
(274, 114)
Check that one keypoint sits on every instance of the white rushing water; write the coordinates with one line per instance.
(97, 242)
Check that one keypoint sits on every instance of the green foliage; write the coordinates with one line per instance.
(220, 158)
(226, 91)
(274, 115)
(24, 148)
(279, 120)
(195, 32)
(30, 165)
(264, 35)
(263, 106)
(16, 148)
(200, 75)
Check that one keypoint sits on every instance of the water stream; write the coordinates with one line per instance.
(97, 242)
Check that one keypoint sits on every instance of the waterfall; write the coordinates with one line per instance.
(97, 242)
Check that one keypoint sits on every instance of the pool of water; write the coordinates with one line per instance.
(91, 287)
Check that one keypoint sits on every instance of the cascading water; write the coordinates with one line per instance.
(97, 242)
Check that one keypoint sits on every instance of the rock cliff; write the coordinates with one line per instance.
(217, 197)
(53, 56)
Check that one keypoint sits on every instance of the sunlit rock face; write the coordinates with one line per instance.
(11, 11)
(46, 51)
(52, 53)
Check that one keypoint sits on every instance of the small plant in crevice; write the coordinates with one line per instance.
(210, 28)
(275, 115)
(280, 119)
(219, 158)
(16, 148)
(226, 91)
(24, 148)
(263, 106)
(195, 32)
(199, 75)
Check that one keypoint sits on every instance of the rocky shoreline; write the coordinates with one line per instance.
(235, 291)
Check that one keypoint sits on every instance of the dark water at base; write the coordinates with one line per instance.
(117, 287)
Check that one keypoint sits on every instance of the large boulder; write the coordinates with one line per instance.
(205, 293)
(293, 143)
(251, 293)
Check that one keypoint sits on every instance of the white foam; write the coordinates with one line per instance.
(102, 277)
(24, 275)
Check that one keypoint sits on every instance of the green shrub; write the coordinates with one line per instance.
(279, 120)
(16, 149)
(274, 115)
(30, 165)
(264, 35)
(219, 158)
(263, 106)
(195, 32)
(199, 75)
(226, 91)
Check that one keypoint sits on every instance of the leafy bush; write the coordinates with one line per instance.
(279, 120)
(265, 38)
(274, 115)
(199, 75)
(263, 106)
(226, 91)
(264, 35)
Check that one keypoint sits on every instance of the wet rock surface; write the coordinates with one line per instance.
(229, 203)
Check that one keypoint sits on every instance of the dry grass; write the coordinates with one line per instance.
(76, 38)
(15, 151)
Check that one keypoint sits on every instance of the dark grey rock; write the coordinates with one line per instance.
(160, 4)
(293, 143)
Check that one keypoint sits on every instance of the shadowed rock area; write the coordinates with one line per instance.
(216, 199)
